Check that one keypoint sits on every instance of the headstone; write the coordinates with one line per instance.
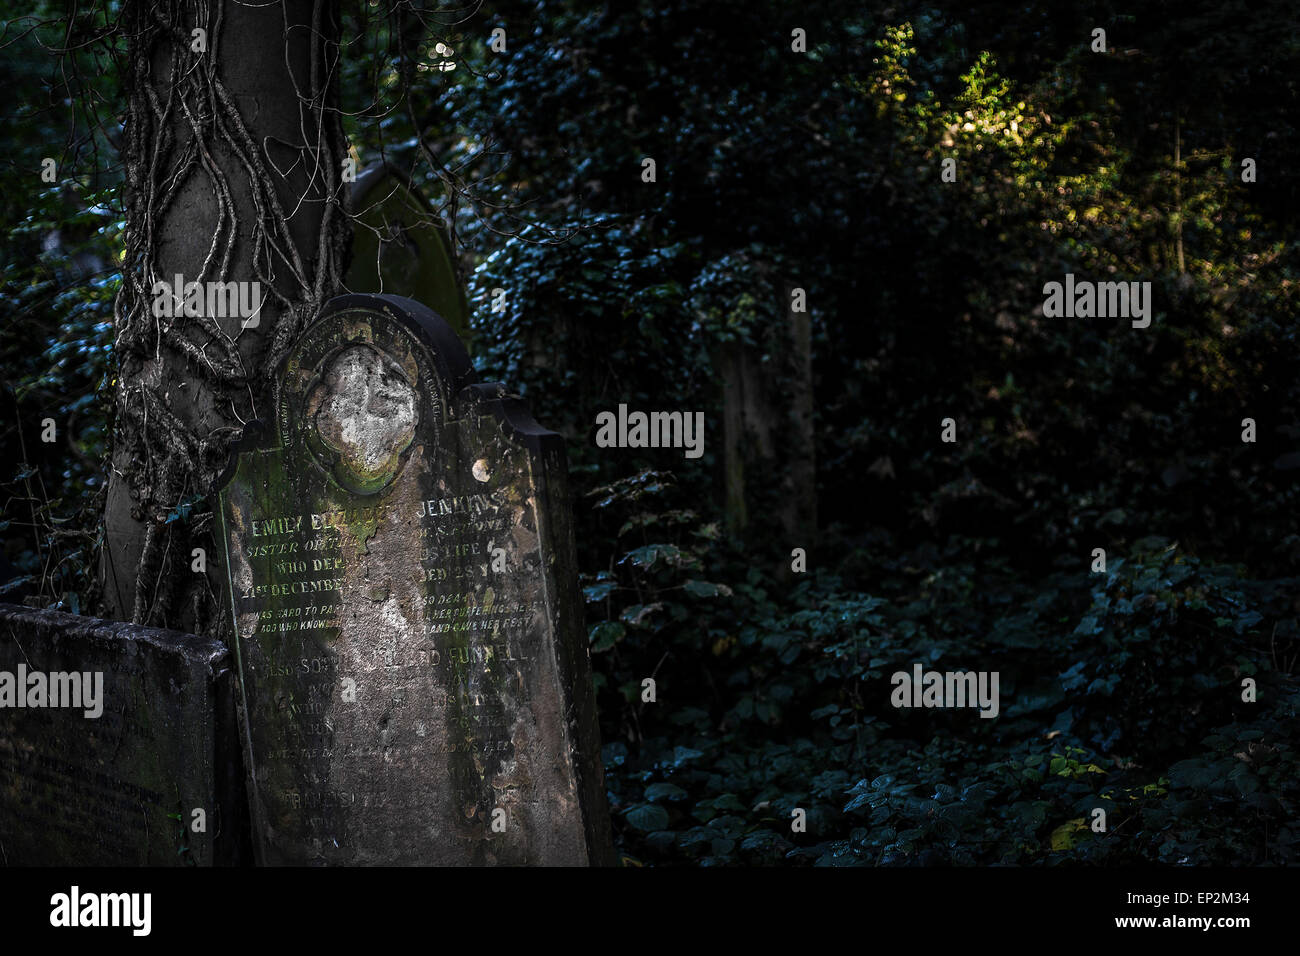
(768, 428)
(399, 247)
(415, 680)
(112, 736)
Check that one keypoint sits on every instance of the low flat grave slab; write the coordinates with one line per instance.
(112, 736)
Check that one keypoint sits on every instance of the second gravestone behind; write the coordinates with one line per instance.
(415, 682)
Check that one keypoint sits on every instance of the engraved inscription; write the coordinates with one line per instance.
(398, 688)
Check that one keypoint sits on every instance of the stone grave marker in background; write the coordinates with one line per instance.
(144, 735)
(414, 677)
(400, 247)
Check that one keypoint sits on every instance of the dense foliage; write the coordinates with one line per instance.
(1120, 690)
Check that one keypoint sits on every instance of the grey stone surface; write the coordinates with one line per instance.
(413, 665)
(119, 788)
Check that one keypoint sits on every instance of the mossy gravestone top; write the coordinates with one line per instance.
(415, 686)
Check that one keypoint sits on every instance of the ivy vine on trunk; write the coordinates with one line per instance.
(233, 173)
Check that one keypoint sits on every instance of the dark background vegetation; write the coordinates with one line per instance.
(821, 170)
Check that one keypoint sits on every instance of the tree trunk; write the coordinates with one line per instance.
(233, 172)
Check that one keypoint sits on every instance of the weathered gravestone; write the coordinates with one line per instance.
(111, 737)
(400, 247)
(414, 675)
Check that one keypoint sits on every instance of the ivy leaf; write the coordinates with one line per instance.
(683, 755)
(636, 615)
(727, 801)
(706, 589)
(599, 591)
(1194, 773)
(1249, 619)
(860, 800)
(605, 635)
(654, 554)
(664, 791)
(647, 817)
(662, 840)
(1066, 835)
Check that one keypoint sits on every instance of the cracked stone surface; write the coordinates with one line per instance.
(364, 413)
(413, 669)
